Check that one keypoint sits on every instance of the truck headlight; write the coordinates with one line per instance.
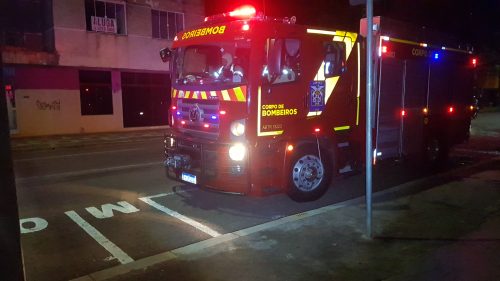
(238, 128)
(237, 152)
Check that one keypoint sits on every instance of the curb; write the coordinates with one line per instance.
(394, 192)
(78, 143)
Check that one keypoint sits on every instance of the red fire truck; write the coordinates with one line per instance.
(262, 105)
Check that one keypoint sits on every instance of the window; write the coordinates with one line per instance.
(166, 24)
(219, 63)
(95, 92)
(334, 59)
(283, 64)
(102, 16)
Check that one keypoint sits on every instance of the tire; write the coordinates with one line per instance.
(435, 153)
(309, 176)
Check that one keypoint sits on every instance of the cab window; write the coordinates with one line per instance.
(334, 59)
(283, 60)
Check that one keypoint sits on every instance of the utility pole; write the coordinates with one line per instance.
(11, 264)
(369, 83)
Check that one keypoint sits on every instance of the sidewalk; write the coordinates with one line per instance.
(449, 232)
(84, 140)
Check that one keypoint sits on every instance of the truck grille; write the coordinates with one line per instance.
(201, 117)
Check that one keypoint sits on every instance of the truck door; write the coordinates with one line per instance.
(279, 101)
(416, 75)
(390, 103)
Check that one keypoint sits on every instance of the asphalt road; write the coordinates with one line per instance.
(85, 210)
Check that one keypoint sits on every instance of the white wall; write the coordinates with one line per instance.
(49, 112)
(137, 50)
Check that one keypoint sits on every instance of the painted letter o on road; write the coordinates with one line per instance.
(32, 225)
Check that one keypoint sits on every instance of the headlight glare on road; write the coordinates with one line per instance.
(237, 152)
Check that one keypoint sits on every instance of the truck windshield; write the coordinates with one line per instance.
(219, 63)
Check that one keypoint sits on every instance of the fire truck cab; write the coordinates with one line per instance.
(262, 105)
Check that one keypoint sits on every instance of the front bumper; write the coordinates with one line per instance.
(206, 164)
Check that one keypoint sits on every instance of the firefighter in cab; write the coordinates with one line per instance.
(229, 70)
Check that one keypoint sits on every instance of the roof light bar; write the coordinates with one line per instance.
(243, 12)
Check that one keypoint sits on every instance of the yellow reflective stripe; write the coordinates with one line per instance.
(274, 133)
(213, 93)
(203, 95)
(314, 113)
(341, 128)
(319, 31)
(357, 111)
(330, 84)
(359, 85)
(320, 74)
(404, 41)
(225, 95)
(174, 93)
(239, 94)
(259, 91)
(348, 38)
(186, 95)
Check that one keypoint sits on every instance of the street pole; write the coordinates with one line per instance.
(369, 77)
(11, 265)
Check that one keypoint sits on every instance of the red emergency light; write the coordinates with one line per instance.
(222, 112)
(317, 130)
(384, 49)
(174, 107)
(474, 62)
(8, 87)
(451, 109)
(246, 11)
(403, 113)
(206, 125)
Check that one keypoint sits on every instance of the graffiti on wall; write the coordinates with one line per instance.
(55, 105)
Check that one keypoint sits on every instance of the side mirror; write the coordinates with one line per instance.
(165, 54)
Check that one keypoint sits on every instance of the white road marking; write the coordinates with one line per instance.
(107, 209)
(200, 246)
(75, 155)
(176, 215)
(114, 250)
(39, 224)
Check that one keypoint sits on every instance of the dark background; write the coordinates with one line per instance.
(471, 22)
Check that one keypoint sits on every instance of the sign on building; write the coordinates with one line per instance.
(102, 24)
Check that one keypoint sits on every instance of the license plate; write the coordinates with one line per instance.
(188, 177)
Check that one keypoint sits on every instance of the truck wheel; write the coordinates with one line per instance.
(309, 176)
(435, 153)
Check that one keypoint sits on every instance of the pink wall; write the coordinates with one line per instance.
(46, 78)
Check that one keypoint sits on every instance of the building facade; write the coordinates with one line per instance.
(83, 66)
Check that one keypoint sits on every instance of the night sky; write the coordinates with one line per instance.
(475, 22)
